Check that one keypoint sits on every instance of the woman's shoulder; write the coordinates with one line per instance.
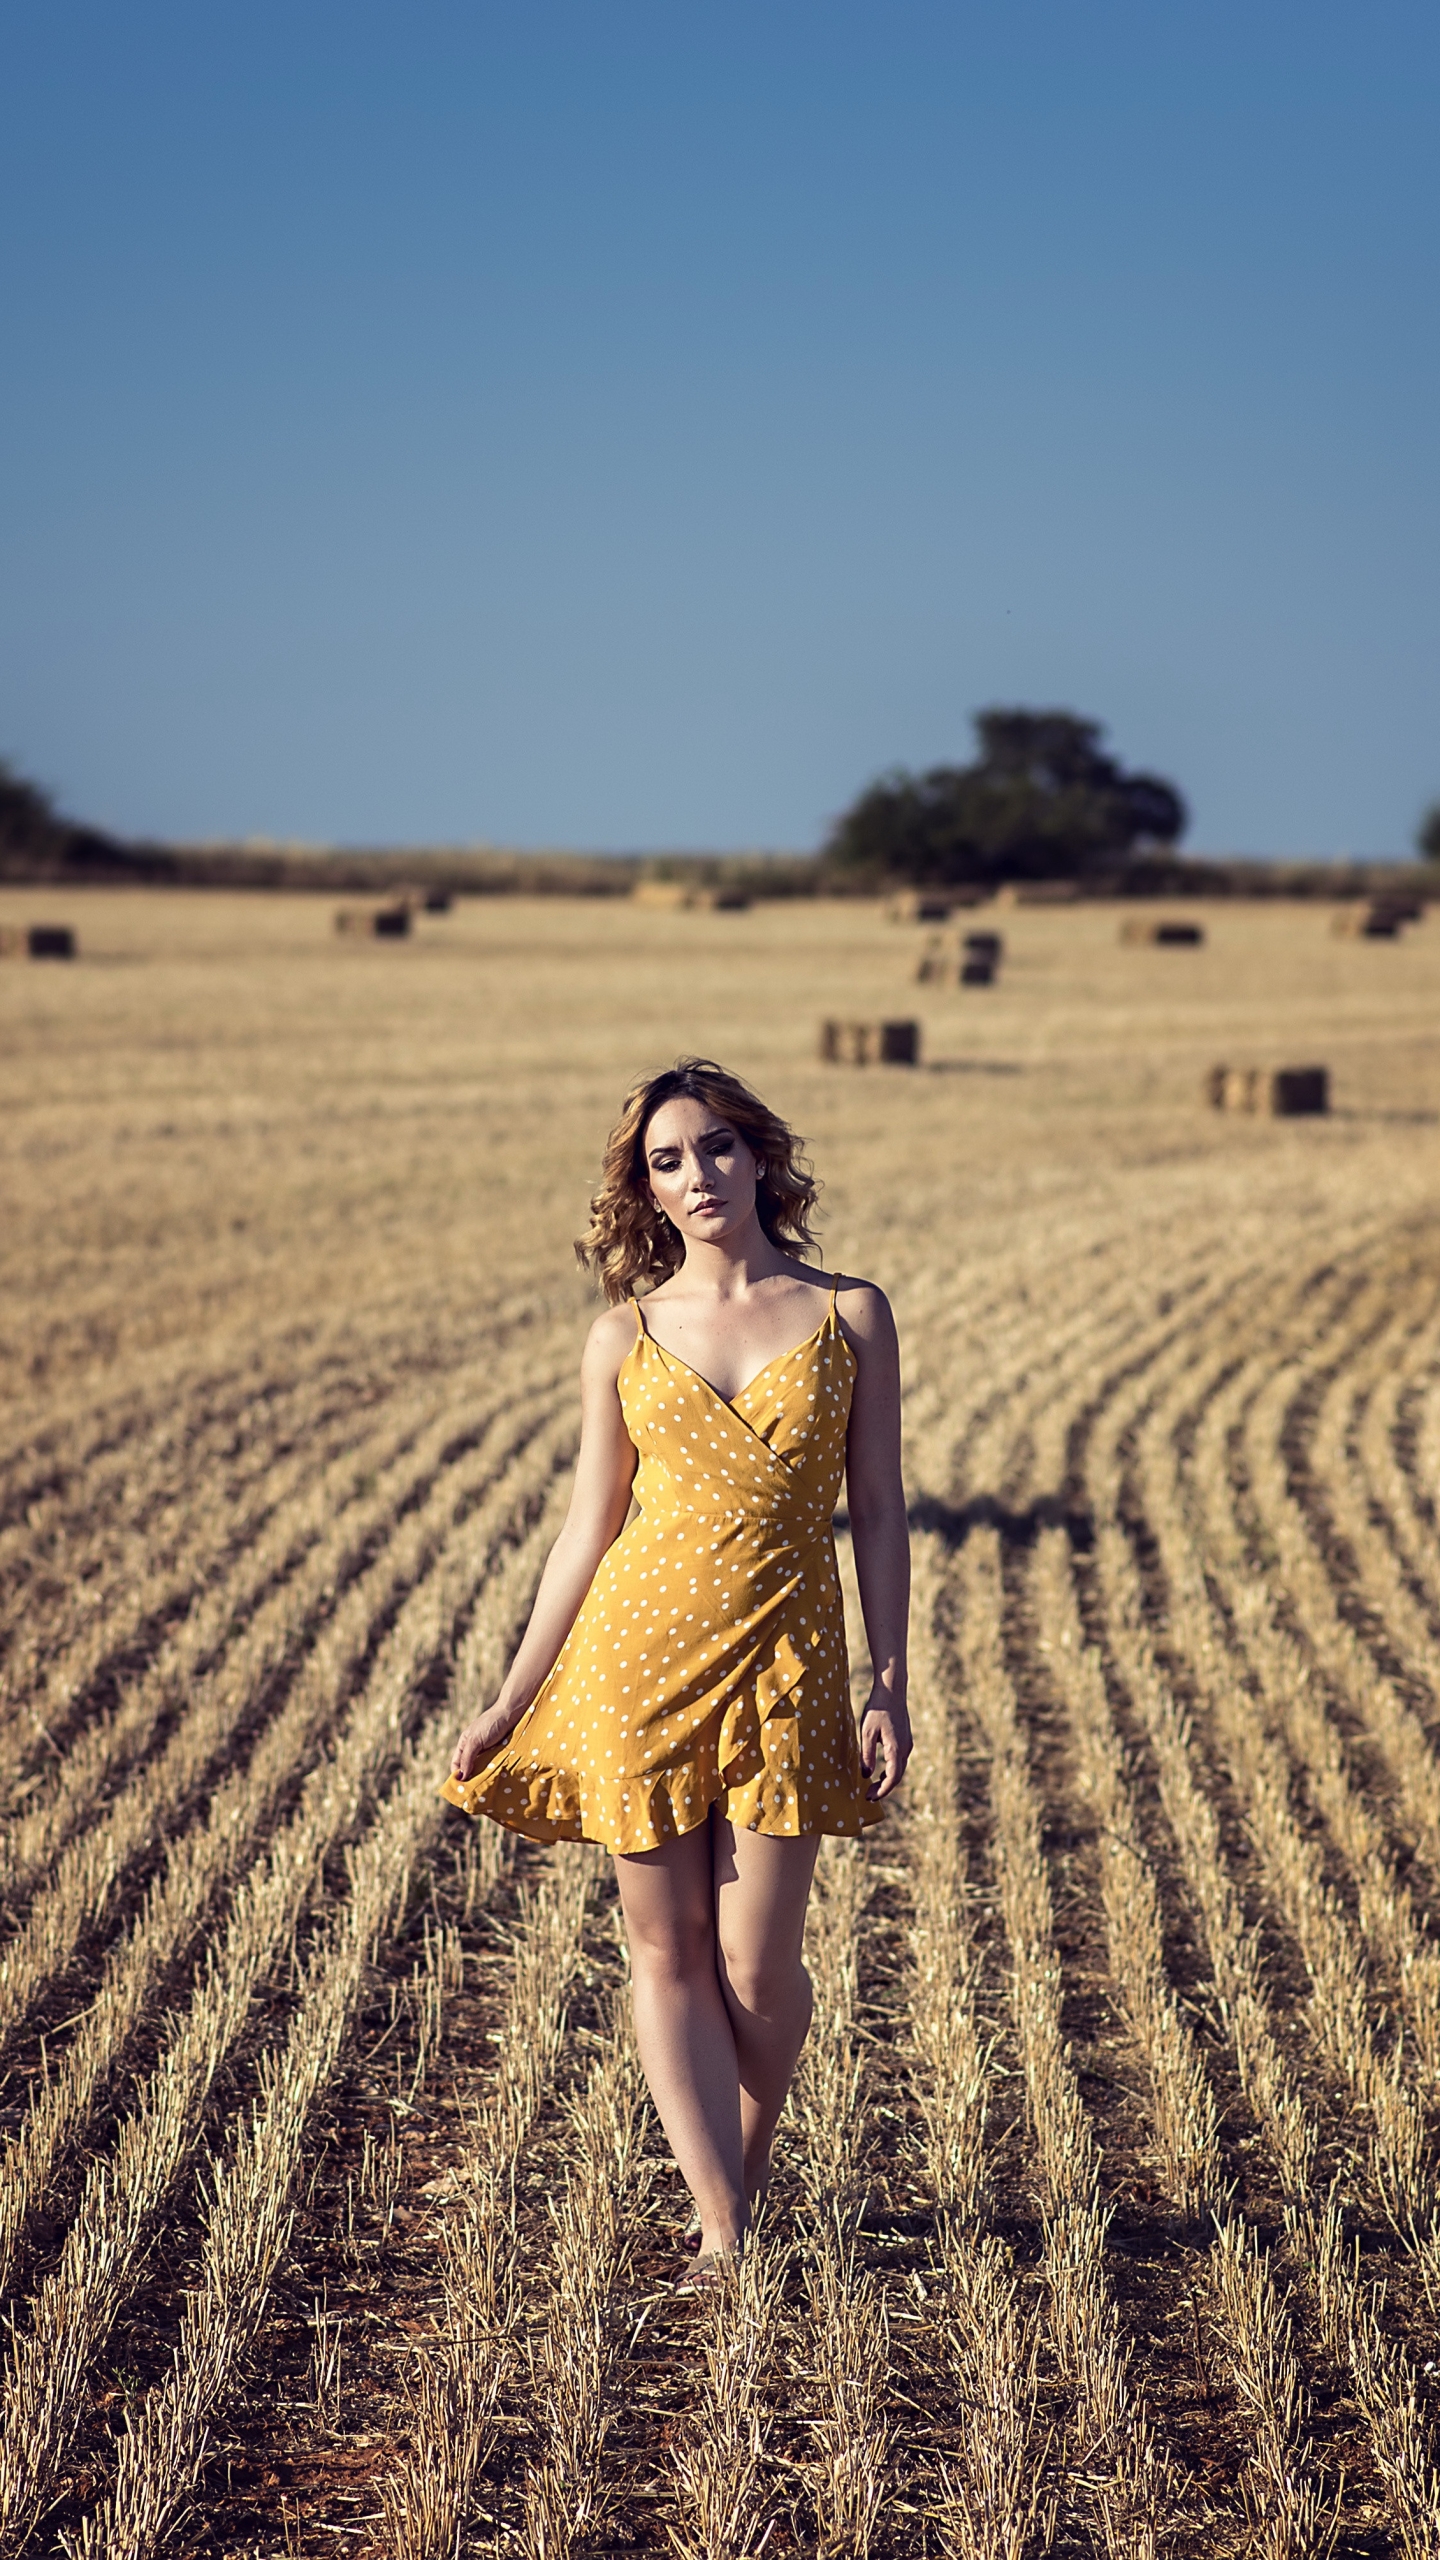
(854, 1297)
(861, 1305)
(609, 1341)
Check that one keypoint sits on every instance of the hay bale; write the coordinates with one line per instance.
(970, 962)
(922, 906)
(675, 894)
(1282, 1093)
(385, 924)
(932, 906)
(1377, 920)
(1168, 931)
(1293, 1092)
(869, 1044)
(662, 893)
(14, 942)
(50, 942)
(438, 902)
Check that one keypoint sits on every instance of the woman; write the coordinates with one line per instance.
(682, 1692)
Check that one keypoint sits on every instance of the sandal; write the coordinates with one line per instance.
(709, 2272)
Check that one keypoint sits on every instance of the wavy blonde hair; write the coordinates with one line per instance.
(628, 1239)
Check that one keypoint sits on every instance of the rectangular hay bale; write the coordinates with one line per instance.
(662, 893)
(933, 906)
(1284, 1093)
(1379, 920)
(51, 942)
(1293, 1092)
(1171, 931)
(868, 1044)
(387, 924)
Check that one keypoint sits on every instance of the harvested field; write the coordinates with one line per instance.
(333, 2217)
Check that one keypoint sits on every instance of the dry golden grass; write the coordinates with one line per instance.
(332, 2214)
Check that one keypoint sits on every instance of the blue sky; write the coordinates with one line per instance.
(637, 425)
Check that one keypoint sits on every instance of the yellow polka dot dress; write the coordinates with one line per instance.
(707, 1663)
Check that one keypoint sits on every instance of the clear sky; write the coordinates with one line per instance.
(607, 423)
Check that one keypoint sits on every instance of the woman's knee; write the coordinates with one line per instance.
(677, 1947)
(765, 1982)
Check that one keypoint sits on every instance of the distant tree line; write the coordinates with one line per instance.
(28, 824)
(38, 843)
(1041, 800)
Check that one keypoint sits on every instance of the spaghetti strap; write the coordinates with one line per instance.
(834, 1294)
(641, 1327)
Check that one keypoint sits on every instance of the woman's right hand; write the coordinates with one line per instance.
(481, 1736)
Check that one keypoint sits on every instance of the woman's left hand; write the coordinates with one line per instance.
(885, 1737)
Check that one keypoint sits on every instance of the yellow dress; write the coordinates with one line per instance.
(707, 1663)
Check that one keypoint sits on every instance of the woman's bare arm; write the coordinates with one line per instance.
(604, 1472)
(879, 1530)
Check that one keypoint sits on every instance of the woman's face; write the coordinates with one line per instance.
(702, 1174)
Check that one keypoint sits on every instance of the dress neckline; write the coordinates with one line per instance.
(644, 1334)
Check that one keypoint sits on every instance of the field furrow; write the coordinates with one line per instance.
(335, 2218)
(71, 2316)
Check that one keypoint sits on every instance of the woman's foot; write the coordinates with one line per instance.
(712, 2269)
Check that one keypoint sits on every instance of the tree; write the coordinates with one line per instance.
(1042, 800)
(1427, 835)
(38, 843)
(28, 823)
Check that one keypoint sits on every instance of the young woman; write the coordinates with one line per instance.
(682, 1692)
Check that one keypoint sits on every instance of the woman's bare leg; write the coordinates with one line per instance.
(716, 1923)
(682, 2025)
(762, 1886)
